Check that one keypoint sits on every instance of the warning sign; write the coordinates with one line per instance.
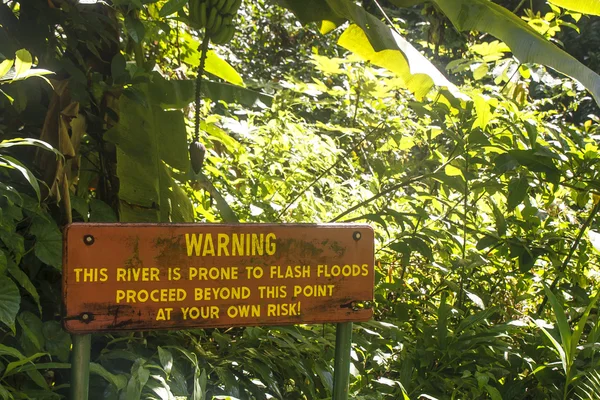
(177, 276)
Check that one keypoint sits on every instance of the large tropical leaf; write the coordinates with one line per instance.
(418, 74)
(180, 93)
(466, 15)
(526, 44)
(148, 138)
(582, 6)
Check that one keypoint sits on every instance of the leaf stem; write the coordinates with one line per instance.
(204, 50)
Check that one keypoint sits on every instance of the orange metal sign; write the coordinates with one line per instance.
(175, 276)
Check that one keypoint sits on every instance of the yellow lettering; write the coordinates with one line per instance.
(164, 314)
(193, 242)
(103, 275)
(211, 312)
(222, 243)
(313, 290)
(258, 244)
(270, 246)
(209, 247)
(138, 274)
(214, 273)
(283, 310)
(237, 245)
(365, 270)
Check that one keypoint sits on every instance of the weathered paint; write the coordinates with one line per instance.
(98, 302)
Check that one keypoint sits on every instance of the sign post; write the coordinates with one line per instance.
(175, 276)
(80, 366)
(341, 363)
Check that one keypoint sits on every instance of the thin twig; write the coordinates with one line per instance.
(388, 19)
(391, 189)
(322, 174)
(204, 49)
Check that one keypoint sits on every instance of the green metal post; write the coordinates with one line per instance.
(341, 364)
(80, 366)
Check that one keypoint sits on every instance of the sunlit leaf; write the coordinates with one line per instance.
(582, 6)
(171, 6)
(5, 66)
(216, 66)
(526, 43)
(417, 73)
(23, 62)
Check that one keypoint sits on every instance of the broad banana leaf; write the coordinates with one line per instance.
(418, 74)
(466, 15)
(180, 93)
(525, 43)
(582, 6)
(147, 139)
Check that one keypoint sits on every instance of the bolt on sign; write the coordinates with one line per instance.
(177, 276)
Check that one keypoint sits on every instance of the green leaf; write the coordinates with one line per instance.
(180, 93)
(146, 137)
(166, 359)
(580, 327)
(176, 204)
(119, 381)
(16, 364)
(5, 66)
(3, 263)
(311, 10)
(48, 241)
(561, 321)
(406, 3)
(416, 72)
(199, 384)
(216, 133)
(216, 66)
(228, 215)
(12, 163)
(493, 392)
(32, 328)
(118, 67)
(173, 146)
(559, 349)
(171, 7)
(5, 394)
(10, 300)
(10, 351)
(23, 62)
(480, 72)
(58, 341)
(582, 6)
(101, 212)
(484, 114)
(23, 280)
(517, 192)
(524, 41)
(135, 28)
(451, 170)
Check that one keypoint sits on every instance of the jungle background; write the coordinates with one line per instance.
(465, 132)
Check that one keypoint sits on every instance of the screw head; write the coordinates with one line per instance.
(88, 240)
(356, 235)
(85, 317)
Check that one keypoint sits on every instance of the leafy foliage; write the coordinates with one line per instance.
(481, 180)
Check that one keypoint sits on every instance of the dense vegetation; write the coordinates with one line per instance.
(459, 134)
